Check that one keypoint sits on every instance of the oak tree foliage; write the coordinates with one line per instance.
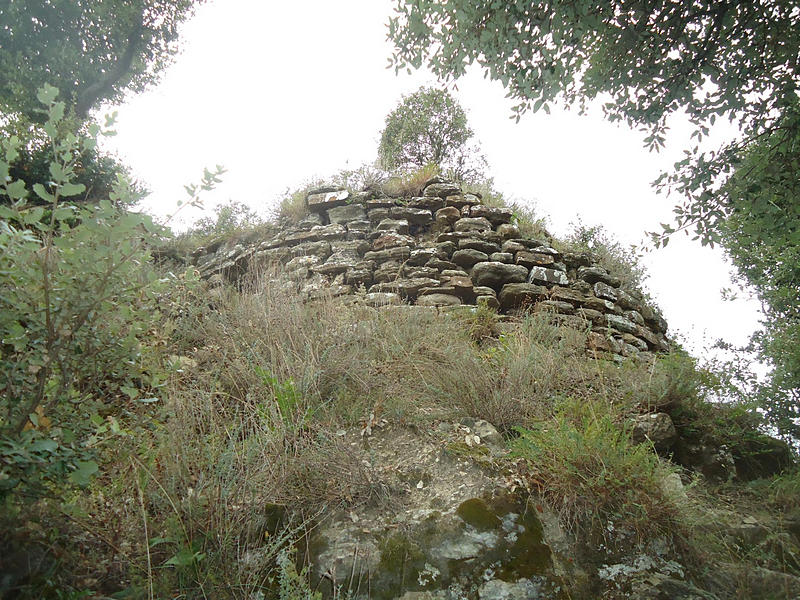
(93, 51)
(429, 126)
(646, 60)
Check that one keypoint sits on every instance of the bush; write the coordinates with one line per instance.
(78, 300)
(621, 261)
(524, 216)
(585, 466)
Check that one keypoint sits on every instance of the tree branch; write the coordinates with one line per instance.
(98, 89)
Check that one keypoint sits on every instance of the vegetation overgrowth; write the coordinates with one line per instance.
(164, 436)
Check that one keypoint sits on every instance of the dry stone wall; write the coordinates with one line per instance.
(442, 249)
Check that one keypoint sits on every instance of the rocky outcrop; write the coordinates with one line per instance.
(443, 249)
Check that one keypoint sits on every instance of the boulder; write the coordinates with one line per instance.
(398, 253)
(593, 274)
(332, 232)
(470, 224)
(407, 288)
(656, 428)
(496, 274)
(468, 258)
(531, 259)
(382, 299)
(547, 276)
(478, 244)
(420, 256)
(346, 213)
(398, 225)
(392, 239)
(431, 203)
(415, 216)
(446, 217)
(516, 295)
(507, 231)
(503, 257)
(621, 324)
(438, 300)
(605, 291)
(488, 301)
(323, 200)
(459, 201)
(495, 215)
(442, 190)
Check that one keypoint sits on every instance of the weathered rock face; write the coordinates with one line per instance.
(437, 250)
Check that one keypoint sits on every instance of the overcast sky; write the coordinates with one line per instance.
(280, 92)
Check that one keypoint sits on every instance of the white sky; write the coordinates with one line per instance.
(280, 92)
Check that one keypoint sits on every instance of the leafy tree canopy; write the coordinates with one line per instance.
(762, 236)
(92, 50)
(713, 59)
(430, 127)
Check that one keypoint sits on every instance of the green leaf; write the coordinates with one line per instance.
(83, 472)
(43, 193)
(16, 190)
(57, 111)
(47, 93)
(44, 446)
(72, 189)
(185, 558)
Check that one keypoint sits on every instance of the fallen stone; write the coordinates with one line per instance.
(656, 428)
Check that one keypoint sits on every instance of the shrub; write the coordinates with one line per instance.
(524, 216)
(77, 302)
(621, 261)
(409, 183)
(585, 466)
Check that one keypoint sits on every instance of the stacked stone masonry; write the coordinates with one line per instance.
(442, 249)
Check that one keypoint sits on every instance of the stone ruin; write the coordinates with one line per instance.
(442, 249)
